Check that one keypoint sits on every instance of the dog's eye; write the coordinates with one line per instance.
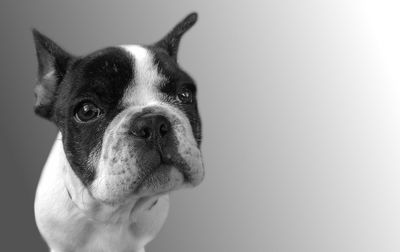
(87, 112)
(185, 96)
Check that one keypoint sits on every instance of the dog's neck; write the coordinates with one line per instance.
(75, 216)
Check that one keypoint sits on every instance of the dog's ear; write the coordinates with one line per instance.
(52, 65)
(171, 41)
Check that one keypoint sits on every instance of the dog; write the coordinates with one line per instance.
(129, 134)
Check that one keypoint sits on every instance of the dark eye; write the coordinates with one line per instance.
(185, 96)
(86, 112)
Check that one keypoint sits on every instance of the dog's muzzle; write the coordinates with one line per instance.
(148, 151)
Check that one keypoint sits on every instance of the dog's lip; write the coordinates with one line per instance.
(161, 170)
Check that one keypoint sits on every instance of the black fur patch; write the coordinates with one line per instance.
(100, 78)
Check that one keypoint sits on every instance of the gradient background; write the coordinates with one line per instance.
(300, 102)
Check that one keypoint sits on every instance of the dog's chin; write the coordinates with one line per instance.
(163, 179)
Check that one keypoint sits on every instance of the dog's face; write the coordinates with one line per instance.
(128, 116)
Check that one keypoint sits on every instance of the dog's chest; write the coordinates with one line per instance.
(110, 238)
(83, 235)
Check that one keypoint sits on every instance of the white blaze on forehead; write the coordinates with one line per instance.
(146, 77)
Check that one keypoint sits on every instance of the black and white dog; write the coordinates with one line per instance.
(129, 133)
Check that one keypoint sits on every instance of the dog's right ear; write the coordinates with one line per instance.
(52, 66)
(171, 41)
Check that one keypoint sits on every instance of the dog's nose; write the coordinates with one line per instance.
(151, 127)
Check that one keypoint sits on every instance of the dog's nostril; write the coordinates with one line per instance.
(164, 129)
(144, 132)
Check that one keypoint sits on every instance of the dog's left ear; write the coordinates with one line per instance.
(170, 42)
(52, 66)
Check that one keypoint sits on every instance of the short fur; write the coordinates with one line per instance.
(104, 187)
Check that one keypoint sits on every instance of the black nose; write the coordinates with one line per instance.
(151, 127)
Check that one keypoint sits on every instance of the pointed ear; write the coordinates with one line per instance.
(171, 41)
(52, 66)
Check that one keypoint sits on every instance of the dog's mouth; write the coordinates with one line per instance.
(163, 179)
(171, 173)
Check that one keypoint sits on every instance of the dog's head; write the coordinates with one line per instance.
(128, 115)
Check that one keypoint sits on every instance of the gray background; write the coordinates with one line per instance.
(300, 102)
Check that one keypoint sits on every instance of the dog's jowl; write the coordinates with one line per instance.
(129, 133)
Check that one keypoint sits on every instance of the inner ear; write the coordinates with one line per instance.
(53, 62)
(171, 41)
